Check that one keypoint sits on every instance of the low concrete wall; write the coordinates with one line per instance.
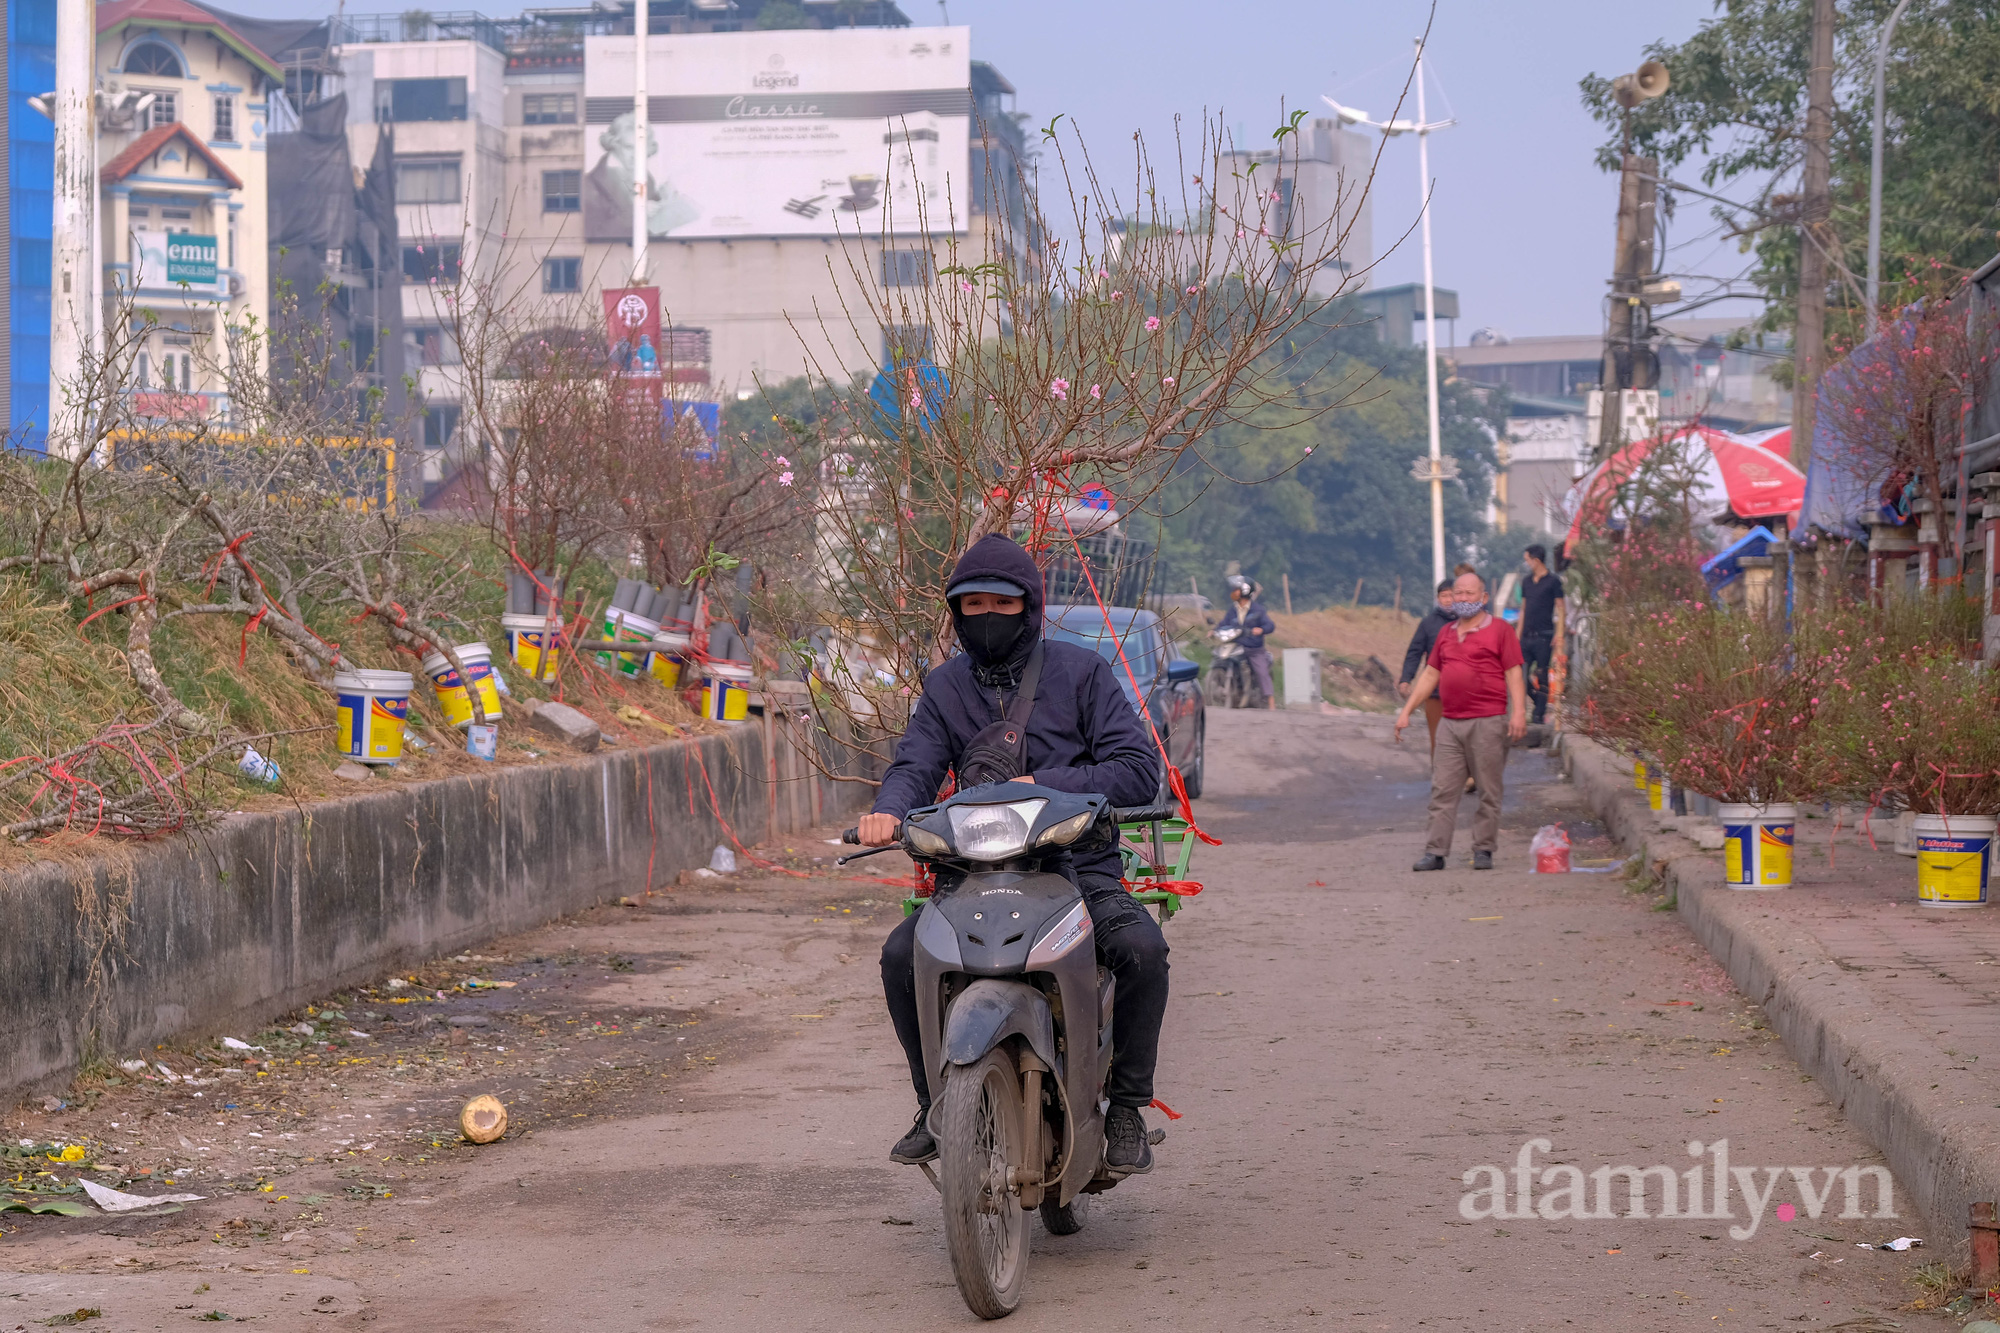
(267, 911)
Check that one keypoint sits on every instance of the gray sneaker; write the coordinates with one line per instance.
(1482, 860)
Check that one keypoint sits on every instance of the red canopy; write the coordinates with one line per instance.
(1748, 475)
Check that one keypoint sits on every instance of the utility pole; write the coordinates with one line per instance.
(74, 314)
(1629, 363)
(1437, 474)
(642, 140)
(1809, 329)
(1433, 468)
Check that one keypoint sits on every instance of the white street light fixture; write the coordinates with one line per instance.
(1433, 468)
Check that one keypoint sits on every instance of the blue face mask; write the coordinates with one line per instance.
(1467, 610)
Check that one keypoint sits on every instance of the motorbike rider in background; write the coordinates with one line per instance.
(1082, 736)
(1247, 610)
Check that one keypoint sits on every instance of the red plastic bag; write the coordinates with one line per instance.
(1550, 850)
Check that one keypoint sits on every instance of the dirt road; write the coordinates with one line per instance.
(704, 1089)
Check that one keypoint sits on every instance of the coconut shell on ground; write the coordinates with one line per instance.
(483, 1119)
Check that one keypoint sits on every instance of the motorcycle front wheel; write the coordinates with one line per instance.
(979, 1140)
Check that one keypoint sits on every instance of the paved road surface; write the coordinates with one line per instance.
(1346, 1040)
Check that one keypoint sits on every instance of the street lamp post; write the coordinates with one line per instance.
(1434, 468)
(1875, 163)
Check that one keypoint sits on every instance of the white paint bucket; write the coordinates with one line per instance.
(1954, 858)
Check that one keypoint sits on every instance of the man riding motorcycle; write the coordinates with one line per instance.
(1247, 611)
(1081, 734)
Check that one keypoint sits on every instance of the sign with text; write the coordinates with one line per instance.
(632, 329)
(807, 132)
(163, 259)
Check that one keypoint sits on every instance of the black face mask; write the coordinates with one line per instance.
(991, 638)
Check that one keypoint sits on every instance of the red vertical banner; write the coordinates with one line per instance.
(632, 330)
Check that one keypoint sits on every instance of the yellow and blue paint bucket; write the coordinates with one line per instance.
(670, 656)
(1757, 845)
(531, 642)
(1638, 775)
(372, 708)
(725, 691)
(1954, 857)
(451, 691)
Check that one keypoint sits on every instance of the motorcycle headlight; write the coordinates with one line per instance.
(993, 832)
(1067, 832)
(926, 842)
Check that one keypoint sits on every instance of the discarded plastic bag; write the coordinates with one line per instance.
(118, 1201)
(1899, 1244)
(722, 861)
(256, 767)
(1549, 851)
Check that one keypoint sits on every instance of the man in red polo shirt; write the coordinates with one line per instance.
(1475, 666)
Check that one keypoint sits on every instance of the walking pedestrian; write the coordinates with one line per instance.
(1542, 610)
(1475, 666)
(1419, 650)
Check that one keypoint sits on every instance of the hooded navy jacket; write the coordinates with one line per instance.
(1084, 736)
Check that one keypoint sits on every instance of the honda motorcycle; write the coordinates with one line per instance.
(1015, 1012)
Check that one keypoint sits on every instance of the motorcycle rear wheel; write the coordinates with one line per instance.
(1065, 1220)
(979, 1139)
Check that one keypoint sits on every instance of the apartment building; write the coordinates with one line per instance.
(785, 171)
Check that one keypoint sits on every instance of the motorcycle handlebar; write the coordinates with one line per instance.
(1146, 814)
(852, 837)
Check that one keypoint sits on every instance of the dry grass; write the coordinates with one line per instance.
(1351, 633)
(62, 683)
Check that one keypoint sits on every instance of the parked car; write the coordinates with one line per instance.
(1169, 684)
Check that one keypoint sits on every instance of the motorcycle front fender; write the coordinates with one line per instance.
(989, 1011)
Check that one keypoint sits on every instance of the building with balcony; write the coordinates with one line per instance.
(185, 108)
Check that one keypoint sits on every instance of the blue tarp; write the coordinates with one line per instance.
(931, 385)
(1839, 498)
(1721, 568)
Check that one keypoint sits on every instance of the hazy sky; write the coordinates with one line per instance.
(1522, 217)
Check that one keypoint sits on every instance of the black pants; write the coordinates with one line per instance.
(1535, 652)
(1129, 942)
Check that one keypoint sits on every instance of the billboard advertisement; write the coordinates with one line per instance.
(786, 133)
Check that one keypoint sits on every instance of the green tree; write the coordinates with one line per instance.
(1738, 100)
(1332, 500)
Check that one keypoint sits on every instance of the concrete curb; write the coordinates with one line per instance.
(1883, 1070)
(266, 911)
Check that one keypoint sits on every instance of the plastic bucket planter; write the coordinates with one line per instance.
(451, 694)
(670, 654)
(627, 627)
(531, 642)
(1757, 845)
(725, 692)
(1659, 792)
(1954, 855)
(373, 705)
(1639, 774)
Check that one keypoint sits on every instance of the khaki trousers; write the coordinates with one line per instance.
(1433, 714)
(1474, 747)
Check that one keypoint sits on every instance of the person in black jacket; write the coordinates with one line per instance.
(1419, 652)
(1083, 736)
(1247, 610)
